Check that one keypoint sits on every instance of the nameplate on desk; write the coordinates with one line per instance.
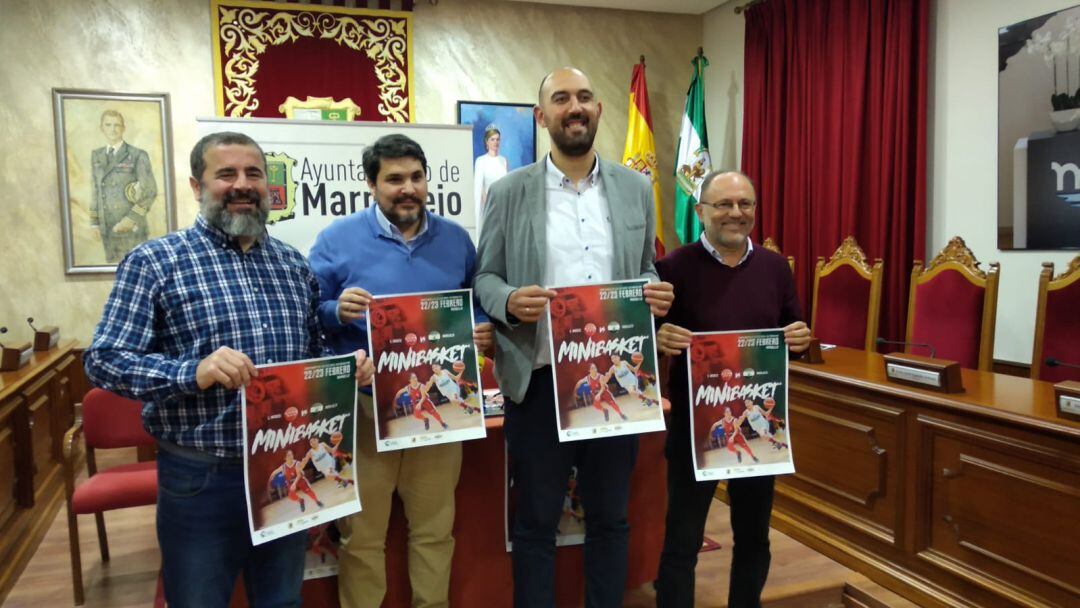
(15, 357)
(1067, 396)
(924, 372)
(46, 338)
(913, 374)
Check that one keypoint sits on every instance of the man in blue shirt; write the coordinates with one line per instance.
(189, 317)
(395, 246)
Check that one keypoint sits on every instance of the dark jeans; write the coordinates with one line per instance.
(540, 466)
(202, 528)
(688, 506)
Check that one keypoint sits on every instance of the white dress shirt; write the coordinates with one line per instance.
(580, 249)
(719, 258)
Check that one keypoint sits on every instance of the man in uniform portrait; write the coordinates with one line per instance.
(124, 189)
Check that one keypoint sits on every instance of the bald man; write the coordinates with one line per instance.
(569, 219)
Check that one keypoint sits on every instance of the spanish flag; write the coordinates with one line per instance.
(640, 151)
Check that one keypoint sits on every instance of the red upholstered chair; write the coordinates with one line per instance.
(847, 298)
(108, 421)
(771, 245)
(1057, 323)
(952, 305)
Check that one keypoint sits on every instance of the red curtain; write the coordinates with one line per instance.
(834, 134)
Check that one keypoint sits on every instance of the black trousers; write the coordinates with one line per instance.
(540, 467)
(688, 506)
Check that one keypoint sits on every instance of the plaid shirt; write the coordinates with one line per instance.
(179, 298)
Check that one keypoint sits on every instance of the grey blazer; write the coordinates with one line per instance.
(513, 251)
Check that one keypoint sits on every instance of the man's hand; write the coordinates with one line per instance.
(797, 336)
(483, 336)
(527, 303)
(227, 367)
(365, 370)
(672, 339)
(124, 226)
(352, 304)
(659, 297)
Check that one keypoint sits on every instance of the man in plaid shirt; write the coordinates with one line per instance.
(189, 317)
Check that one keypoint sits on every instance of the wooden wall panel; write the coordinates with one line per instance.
(7, 466)
(997, 509)
(846, 455)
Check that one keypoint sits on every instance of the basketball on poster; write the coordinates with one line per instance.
(427, 383)
(739, 406)
(299, 430)
(603, 353)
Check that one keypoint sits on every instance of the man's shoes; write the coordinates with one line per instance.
(301, 505)
(427, 424)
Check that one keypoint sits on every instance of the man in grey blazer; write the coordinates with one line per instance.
(571, 218)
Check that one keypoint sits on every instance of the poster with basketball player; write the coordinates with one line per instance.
(426, 388)
(571, 530)
(603, 354)
(321, 551)
(299, 423)
(739, 404)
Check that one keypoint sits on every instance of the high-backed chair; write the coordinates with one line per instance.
(1057, 323)
(952, 306)
(108, 421)
(847, 298)
(771, 245)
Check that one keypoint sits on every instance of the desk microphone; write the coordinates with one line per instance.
(933, 353)
(30, 322)
(1052, 362)
(3, 330)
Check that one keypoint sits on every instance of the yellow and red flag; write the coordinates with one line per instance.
(640, 151)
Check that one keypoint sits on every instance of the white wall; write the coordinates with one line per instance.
(723, 46)
(962, 193)
(963, 140)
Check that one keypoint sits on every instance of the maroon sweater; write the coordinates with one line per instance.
(710, 296)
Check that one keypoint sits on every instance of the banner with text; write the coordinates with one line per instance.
(316, 174)
(603, 356)
(739, 405)
(299, 424)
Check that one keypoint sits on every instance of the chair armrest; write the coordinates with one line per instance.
(70, 437)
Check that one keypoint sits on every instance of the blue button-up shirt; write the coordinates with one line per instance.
(179, 298)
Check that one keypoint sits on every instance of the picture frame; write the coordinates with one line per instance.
(516, 146)
(115, 172)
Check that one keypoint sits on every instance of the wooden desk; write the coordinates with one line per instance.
(970, 499)
(36, 408)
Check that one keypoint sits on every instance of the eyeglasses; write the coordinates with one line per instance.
(729, 206)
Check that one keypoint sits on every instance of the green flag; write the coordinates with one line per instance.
(692, 160)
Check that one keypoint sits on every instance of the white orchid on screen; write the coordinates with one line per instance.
(1062, 56)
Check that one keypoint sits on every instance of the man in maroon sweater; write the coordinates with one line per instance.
(723, 283)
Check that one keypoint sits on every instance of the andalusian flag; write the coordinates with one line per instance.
(640, 152)
(692, 161)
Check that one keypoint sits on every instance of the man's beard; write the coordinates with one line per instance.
(240, 224)
(403, 219)
(574, 145)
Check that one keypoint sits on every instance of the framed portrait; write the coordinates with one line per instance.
(114, 160)
(503, 139)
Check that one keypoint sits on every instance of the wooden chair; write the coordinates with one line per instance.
(847, 298)
(952, 305)
(108, 421)
(771, 245)
(1057, 323)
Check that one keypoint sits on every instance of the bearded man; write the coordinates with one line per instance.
(189, 317)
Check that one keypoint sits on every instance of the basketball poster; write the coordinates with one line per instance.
(739, 404)
(571, 530)
(426, 389)
(321, 551)
(603, 353)
(299, 437)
